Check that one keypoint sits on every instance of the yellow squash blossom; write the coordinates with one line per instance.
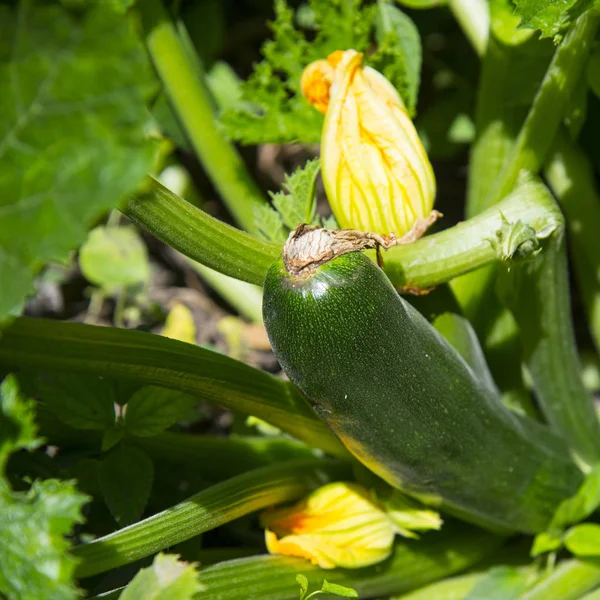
(376, 172)
(338, 525)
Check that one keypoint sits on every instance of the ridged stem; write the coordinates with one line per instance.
(191, 103)
(535, 139)
(571, 178)
(204, 511)
(430, 261)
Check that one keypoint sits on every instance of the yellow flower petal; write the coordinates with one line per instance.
(338, 525)
(376, 172)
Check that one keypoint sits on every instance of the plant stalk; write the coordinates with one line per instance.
(191, 102)
(219, 504)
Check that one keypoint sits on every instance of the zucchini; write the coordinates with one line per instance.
(405, 403)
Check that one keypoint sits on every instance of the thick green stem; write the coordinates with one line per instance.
(204, 511)
(413, 564)
(572, 180)
(537, 292)
(569, 581)
(190, 100)
(155, 360)
(474, 19)
(430, 261)
(539, 130)
(201, 237)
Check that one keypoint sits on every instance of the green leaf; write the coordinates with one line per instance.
(570, 511)
(112, 437)
(80, 401)
(73, 131)
(547, 541)
(34, 562)
(583, 540)
(153, 409)
(302, 581)
(399, 54)
(582, 504)
(166, 579)
(114, 258)
(549, 16)
(422, 4)
(126, 476)
(273, 109)
(501, 583)
(270, 224)
(338, 590)
(17, 421)
(297, 203)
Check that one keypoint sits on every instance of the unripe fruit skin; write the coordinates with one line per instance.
(404, 402)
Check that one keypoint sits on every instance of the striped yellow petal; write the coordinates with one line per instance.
(338, 525)
(376, 172)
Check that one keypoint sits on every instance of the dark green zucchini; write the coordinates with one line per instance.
(406, 404)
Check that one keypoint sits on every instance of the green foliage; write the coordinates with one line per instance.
(295, 205)
(114, 258)
(79, 401)
(166, 579)
(549, 16)
(272, 108)
(398, 55)
(34, 562)
(153, 409)
(577, 508)
(333, 589)
(73, 131)
(126, 476)
(583, 540)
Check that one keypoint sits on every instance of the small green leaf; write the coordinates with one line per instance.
(153, 409)
(80, 401)
(73, 131)
(422, 4)
(112, 437)
(398, 56)
(126, 476)
(582, 504)
(338, 590)
(500, 583)
(166, 579)
(270, 224)
(583, 540)
(302, 581)
(546, 541)
(297, 203)
(114, 258)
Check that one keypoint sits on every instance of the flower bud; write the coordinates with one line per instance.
(375, 170)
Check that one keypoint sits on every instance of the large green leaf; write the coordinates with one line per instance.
(73, 131)
(34, 562)
(156, 360)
